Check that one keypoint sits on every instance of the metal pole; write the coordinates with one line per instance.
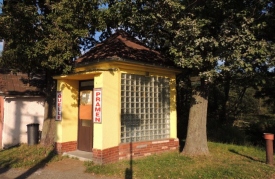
(269, 147)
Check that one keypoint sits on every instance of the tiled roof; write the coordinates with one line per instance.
(17, 83)
(122, 46)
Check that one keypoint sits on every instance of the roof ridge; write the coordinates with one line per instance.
(122, 45)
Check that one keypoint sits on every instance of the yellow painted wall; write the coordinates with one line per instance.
(66, 130)
(107, 134)
(173, 111)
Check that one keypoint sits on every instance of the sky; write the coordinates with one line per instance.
(1, 2)
(1, 43)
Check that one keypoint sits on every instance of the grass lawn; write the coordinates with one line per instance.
(27, 156)
(224, 161)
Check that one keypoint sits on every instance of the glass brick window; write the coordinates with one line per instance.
(145, 108)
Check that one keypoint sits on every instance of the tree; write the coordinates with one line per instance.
(46, 36)
(210, 39)
(172, 28)
(215, 39)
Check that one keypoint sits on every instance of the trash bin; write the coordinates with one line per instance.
(33, 133)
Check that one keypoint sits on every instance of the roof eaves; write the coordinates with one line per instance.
(157, 64)
(23, 96)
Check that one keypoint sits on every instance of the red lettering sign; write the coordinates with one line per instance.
(97, 109)
(58, 114)
(97, 105)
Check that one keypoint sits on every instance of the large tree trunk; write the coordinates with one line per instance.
(196, 140)
(48, 130)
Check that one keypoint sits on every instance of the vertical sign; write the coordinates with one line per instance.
(97, 105)
(58, 116)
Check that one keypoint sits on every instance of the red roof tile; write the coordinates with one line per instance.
(17, 83)
(122, 46)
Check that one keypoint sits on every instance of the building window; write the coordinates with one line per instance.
(145, 108)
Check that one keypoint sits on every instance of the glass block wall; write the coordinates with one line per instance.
(145, 108)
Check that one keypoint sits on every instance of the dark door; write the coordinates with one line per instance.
(85, 122)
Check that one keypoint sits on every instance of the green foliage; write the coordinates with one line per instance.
(267, 92)
(47, 35)
(246, 130)
(20, 35)
(247, 117)
(259, 124)
(227, 133)
(213, 38)
(210, 37)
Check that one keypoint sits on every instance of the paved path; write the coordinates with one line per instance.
(64, 169)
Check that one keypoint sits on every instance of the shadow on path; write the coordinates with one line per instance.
(4, 169)
(41, 164)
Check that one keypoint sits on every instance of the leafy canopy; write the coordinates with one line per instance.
(208, 37)
(205, 36)
(48, 34)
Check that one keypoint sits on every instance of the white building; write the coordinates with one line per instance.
(20, 104)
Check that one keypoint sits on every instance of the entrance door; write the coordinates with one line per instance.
(85, 122)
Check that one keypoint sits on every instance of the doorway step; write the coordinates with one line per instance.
(81, 155)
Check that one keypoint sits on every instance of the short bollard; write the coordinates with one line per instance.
(269, 147)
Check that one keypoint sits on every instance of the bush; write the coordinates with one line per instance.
(227, 133)
(248, 131)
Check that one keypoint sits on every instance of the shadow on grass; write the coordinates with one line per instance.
(5, 165)
(129, 171)
(246, 156)
(181, 145)
(41, 164)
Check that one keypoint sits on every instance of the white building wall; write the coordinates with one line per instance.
(18, 112)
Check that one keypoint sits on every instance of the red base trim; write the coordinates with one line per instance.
(134, 150)
(66, 146)
(124, 151)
